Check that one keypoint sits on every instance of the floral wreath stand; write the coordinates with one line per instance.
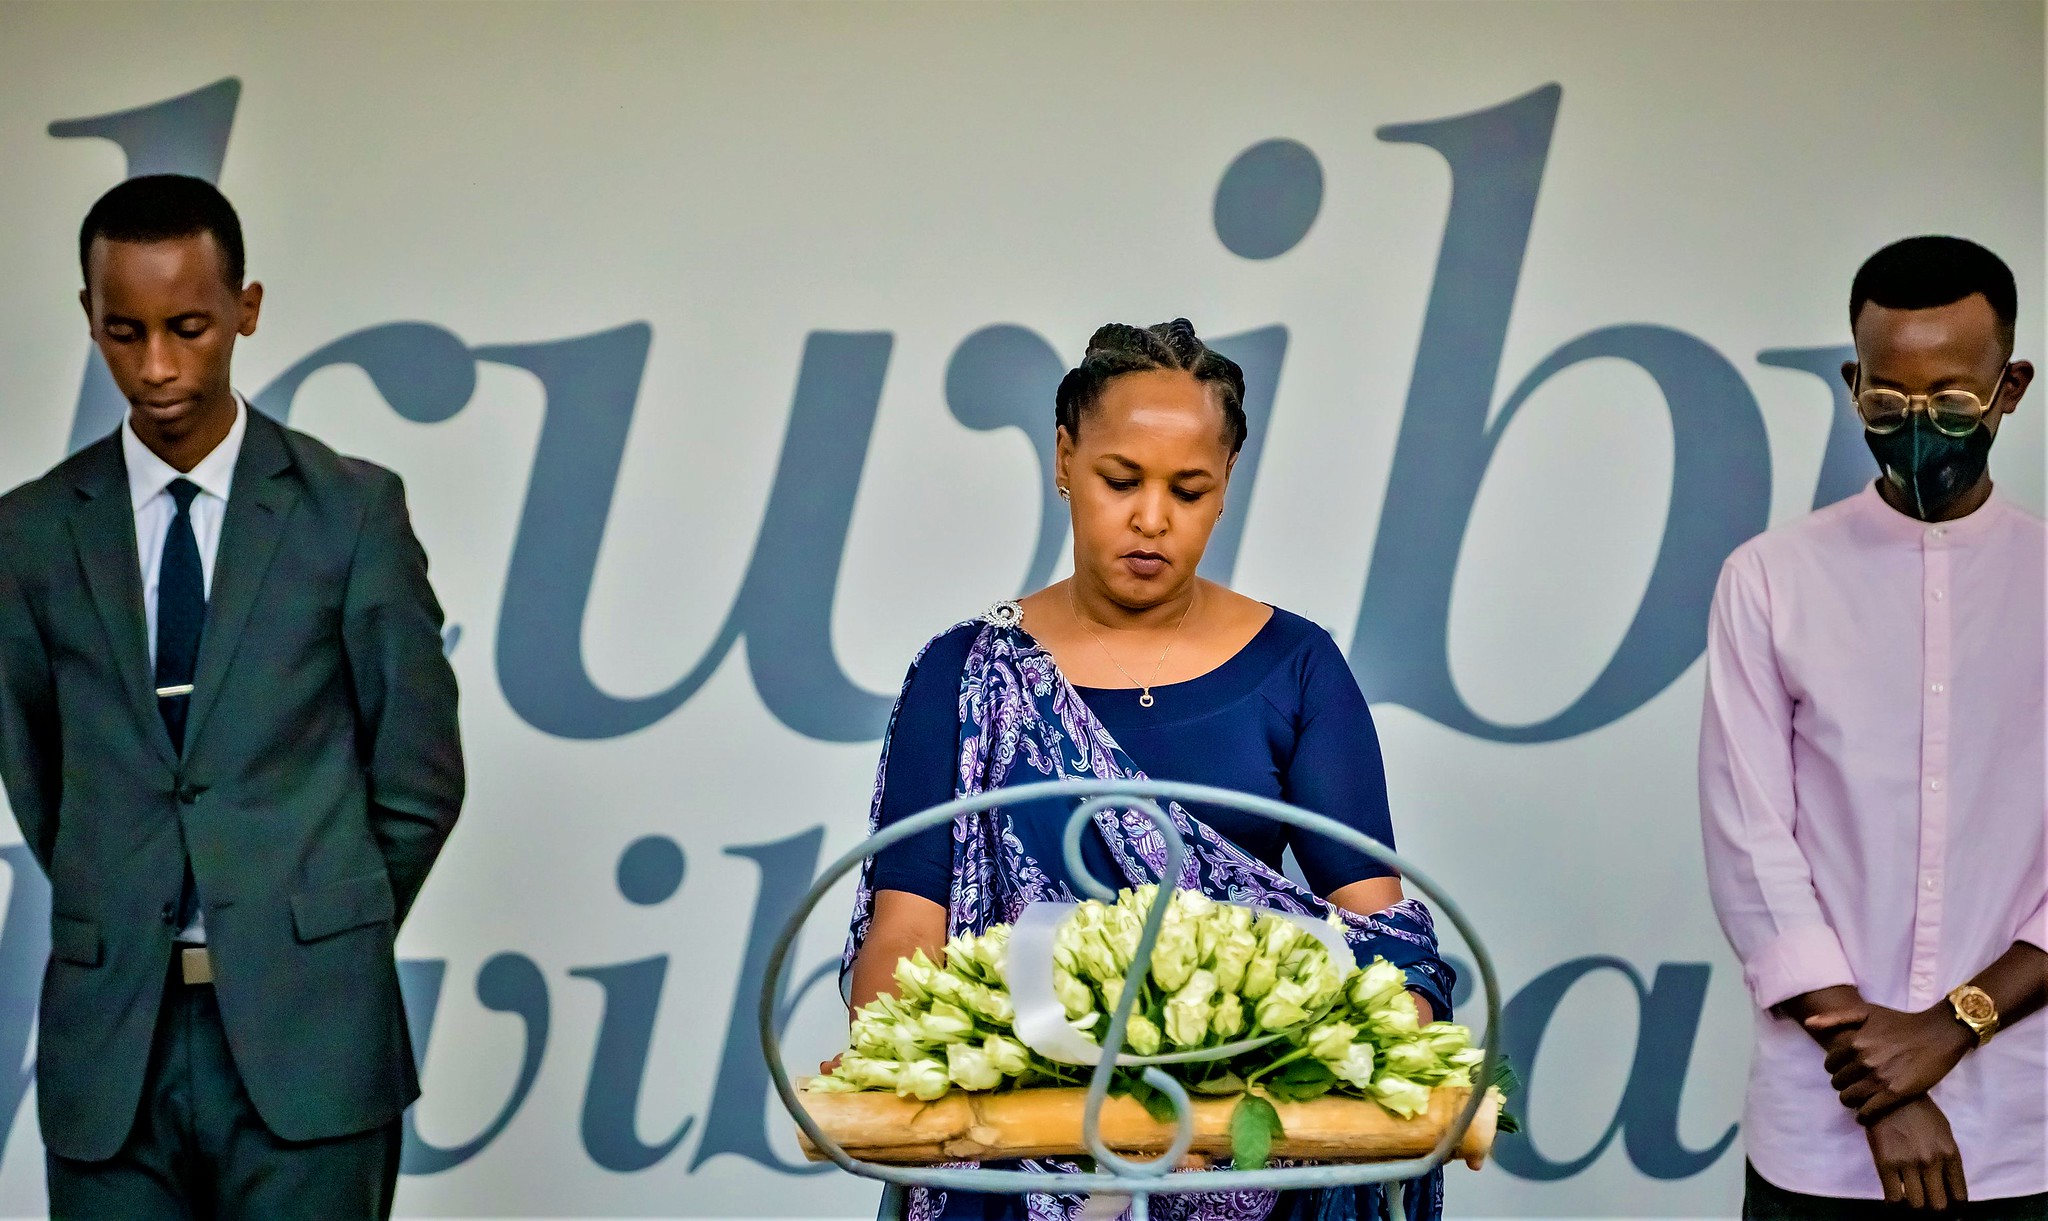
(1115, 1175)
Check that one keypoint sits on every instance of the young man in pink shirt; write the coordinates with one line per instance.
(1872, 785)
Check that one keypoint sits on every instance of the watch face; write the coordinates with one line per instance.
(1976, 1006)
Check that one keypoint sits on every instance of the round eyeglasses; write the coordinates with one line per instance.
(1954, 413)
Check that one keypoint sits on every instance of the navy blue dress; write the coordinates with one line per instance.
(1283, 718)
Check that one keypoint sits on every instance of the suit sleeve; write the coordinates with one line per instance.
(31, 752)
(1760, 881)
(405, 694)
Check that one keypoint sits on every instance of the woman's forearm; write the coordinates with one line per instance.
(1369, 898)
(903, 924)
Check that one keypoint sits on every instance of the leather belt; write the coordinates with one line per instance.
(195, 965)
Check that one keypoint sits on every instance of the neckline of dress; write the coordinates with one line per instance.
(1009, 614)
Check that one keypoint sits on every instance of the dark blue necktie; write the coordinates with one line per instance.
(180, 618)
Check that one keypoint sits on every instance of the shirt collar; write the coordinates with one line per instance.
(149, 475)
(1890, 523)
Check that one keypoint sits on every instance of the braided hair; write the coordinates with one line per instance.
(1120, 348)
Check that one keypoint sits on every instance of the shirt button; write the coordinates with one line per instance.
(1936, 688)
(1930, 883)
(1934, 785)
(1938, 532)
(1938, 595)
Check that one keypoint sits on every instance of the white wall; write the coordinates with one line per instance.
(739, 176)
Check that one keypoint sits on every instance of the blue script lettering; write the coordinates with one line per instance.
(1721, 476)
(1670, 1011)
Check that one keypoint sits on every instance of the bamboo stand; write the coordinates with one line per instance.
(973, 1127)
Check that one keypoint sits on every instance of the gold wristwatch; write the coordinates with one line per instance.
(1974, 1008)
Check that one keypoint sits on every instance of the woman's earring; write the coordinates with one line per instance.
(1066, 496)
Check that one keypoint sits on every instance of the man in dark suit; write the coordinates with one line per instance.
(228, 731)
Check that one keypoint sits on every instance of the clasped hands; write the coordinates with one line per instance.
(1883, 1062)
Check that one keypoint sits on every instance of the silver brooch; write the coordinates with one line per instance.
(1004, 614)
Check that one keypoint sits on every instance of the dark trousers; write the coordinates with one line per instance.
(1763, 1200)
(199, 1152)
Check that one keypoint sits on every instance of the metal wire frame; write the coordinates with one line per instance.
(1116, 1174)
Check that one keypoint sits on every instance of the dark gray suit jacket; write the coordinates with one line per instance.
(321, 774)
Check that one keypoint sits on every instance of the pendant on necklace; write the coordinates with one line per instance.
(1145, 698)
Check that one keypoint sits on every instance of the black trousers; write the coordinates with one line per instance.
(199, 1151)
(1763, 1200)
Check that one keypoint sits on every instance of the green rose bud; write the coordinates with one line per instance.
(1142, 1036)
(1285, 1007)
(1098, 959)
(971, 1068)
(1227, 1022)
(1234, 948)
(1075, 998)
(1410, 1059)
(1011, 1058)
(923, 1078)
(1329, 1040)
(913, 977)
(1277, 938)
(944, 1023)
(1396, 1018)
(1376, 985)
(1355, 1066)
(1122, 931)
(1175, 955)
(1112, 991)
(867, 1073)
(1400, 1095)
(1187, 1011)
(1446, 1039)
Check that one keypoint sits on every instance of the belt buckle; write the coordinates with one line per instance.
(195, 965)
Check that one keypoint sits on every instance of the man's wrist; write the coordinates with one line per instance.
(1972, 1008)
(1956, 1037)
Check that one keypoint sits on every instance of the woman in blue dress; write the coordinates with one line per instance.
(1135, 666)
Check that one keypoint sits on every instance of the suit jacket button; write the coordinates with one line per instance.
(171, 914)
(187, 794)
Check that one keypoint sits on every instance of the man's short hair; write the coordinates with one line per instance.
(1925, 272)
(161, 208)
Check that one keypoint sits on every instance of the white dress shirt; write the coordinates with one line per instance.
(149, 481)
(1871, 784)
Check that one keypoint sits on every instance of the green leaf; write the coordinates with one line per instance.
(1509, 1083)
(1226, 1083)
(1305, 1072)
(1130, 1085)
(1253, 1126)
(1155, 1102)
(1505, 1078)
(1301, 1081)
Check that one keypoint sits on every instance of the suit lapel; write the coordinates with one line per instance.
(258, 505)
(103, 531)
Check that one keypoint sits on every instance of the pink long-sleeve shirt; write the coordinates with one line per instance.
(1872, 780)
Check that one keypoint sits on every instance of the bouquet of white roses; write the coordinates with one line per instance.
(1287, 1020)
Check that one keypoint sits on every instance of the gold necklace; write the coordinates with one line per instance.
(1145, 699)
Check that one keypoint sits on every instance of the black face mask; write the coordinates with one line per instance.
(1932, 468)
